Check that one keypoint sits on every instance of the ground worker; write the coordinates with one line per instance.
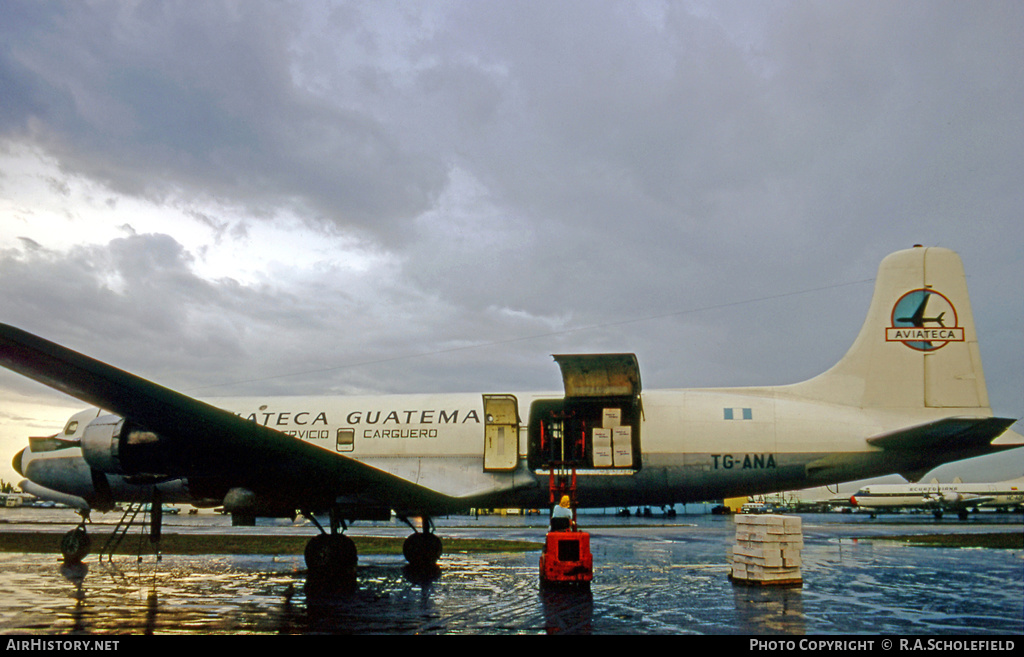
(561, 515)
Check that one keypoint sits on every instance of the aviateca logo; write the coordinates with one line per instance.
(924, 320)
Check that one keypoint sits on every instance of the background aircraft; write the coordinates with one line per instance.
(956, 497)
(902, 400)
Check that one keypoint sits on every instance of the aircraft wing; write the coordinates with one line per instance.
(954, 500)
(206, 443)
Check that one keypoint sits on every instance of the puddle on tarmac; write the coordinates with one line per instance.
(649, 580)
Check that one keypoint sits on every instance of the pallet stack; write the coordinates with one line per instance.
(767, 550)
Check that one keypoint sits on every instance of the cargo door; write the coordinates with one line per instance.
(597, 424)
(606, 389)
(501, 432)
(592, 376)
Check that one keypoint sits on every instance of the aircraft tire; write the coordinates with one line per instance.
(331, 554)
(75, 544)
(422, 549)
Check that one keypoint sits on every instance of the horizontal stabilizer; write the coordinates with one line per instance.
(947, 433)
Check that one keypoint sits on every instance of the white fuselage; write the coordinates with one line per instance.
(934, 495)
(905, 398)
(691, 445)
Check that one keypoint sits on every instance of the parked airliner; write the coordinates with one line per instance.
(904, 399)
(939, 498)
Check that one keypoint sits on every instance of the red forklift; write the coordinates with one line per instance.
(566, 559)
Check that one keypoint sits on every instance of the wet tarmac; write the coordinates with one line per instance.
(652, 576)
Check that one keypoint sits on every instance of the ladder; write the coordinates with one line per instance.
(128, 519)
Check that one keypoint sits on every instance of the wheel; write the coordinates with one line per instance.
(331, 554)
(422, 549)
(75, 545)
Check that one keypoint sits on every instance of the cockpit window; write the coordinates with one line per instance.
(49, 444)
(71, 428)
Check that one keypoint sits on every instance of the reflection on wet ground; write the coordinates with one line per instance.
(653, 578)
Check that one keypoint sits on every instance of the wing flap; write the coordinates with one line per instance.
(209, 442)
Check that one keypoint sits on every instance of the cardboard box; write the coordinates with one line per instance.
(766, 574)
(611, 418)
(761, 556)
(772, 523)
(602, 448)
(783, 541)
(767, 550)
(622, 447)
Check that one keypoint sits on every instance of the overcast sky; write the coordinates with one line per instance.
(358, 197)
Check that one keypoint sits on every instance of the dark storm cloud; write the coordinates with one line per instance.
(665, 143)
(530, 168)
(156, 98)
(114, 299)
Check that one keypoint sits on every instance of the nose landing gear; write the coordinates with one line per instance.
(75, 545)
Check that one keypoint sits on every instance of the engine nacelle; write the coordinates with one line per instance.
(112, 445)
(951, 497)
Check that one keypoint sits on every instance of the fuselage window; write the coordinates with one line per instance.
(346, 440)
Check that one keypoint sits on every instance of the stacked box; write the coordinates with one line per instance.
(612, 442)
(602, 448)
(611, 418)
(622, 447)
(767, 550)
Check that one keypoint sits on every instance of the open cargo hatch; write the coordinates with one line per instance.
(600, 375)
(597, 424)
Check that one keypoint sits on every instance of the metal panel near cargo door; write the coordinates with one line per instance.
(501, 432)
(600, 375)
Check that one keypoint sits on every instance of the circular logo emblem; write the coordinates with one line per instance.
(924, 320)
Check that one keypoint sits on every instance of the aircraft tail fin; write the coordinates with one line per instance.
(918, 347)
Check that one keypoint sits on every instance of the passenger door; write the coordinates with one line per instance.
(501, 432)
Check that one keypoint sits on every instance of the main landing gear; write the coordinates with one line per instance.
(330, 555)
(423, 548)
(334, 555)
